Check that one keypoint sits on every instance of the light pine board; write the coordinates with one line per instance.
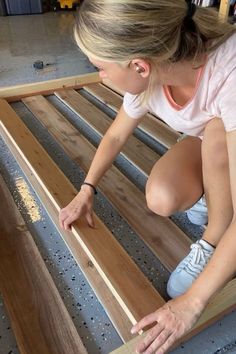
(38, 315)
(151, 125)
(118, 271)
(135, 151)
(165, 239)
(108, 301)
(223, 303)
(15, 93)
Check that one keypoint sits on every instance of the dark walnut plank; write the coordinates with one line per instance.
(38, 315)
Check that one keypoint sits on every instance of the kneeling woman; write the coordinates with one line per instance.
(178, 61)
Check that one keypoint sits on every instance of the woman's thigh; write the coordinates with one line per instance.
(175, 182)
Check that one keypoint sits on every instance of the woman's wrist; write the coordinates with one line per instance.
(88, 187)
(199, 299)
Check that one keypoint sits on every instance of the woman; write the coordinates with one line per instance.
(178, 61)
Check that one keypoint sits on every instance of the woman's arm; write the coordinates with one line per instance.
(178, 316)
(111, 144)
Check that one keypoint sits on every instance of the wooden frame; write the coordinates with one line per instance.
(31, 157)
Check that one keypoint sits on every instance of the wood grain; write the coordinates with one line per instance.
(135, 151)
(108, 301)
(164, 238)
(151, 124)
(119, 272)
(38, 315)
(222, 303)
(15, 93)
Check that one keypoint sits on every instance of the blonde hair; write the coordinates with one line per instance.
(157, 30)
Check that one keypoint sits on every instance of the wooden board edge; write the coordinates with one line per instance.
(15, 93)
(221, 305)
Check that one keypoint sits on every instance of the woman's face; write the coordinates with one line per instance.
(126, 78)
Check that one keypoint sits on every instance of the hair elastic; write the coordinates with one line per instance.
(90, 185)
(191, 9)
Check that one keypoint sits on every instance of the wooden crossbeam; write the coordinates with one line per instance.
(164, 238)
(108, 301)
(118, 271)
(151, 125)
(37, 313)
(135, 151)
(15, 93)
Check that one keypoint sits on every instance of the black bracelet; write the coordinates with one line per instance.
(90, 185)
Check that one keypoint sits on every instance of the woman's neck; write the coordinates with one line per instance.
(180, 74)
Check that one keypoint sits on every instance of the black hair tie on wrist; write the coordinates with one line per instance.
(191, 9)
(90, 185)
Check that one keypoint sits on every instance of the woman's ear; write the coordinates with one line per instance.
(141, 67)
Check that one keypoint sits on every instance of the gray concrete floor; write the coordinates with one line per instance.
(47, 37)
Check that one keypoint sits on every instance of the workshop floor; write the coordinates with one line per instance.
(48, 37)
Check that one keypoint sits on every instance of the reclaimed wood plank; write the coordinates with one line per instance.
(163, 237)
(118, 271)
(38, 315)
(108, 301)
(135, 151)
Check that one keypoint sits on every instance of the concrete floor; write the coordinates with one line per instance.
(48, 37)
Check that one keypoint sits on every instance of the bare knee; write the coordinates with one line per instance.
(161, 199)
(214, 148)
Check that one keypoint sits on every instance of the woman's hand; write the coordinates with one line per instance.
(81, 205)
(173, 320)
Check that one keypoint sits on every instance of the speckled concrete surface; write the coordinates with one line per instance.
(48, 37)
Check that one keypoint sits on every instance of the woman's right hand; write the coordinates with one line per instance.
(81, 205)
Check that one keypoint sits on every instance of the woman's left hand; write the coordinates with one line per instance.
(173, 320)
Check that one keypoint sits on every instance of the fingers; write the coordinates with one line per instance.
(149, 339)
(72, 212)
(167, 344)
(67, 216)
(144, 322)
(68, 221)
(90, 220)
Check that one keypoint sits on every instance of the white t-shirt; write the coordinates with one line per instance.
(215, 96)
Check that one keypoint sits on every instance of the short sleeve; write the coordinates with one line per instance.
(227, 101)
(133, 107)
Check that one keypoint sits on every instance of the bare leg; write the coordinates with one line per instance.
(175, 182)
(216, 181)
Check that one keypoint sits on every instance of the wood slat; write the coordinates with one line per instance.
(223, 303)
(15, 93)
(108, 301)
(119, 272)
(164, 238)
(135, 151)
(151, 125)
(38, 315)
